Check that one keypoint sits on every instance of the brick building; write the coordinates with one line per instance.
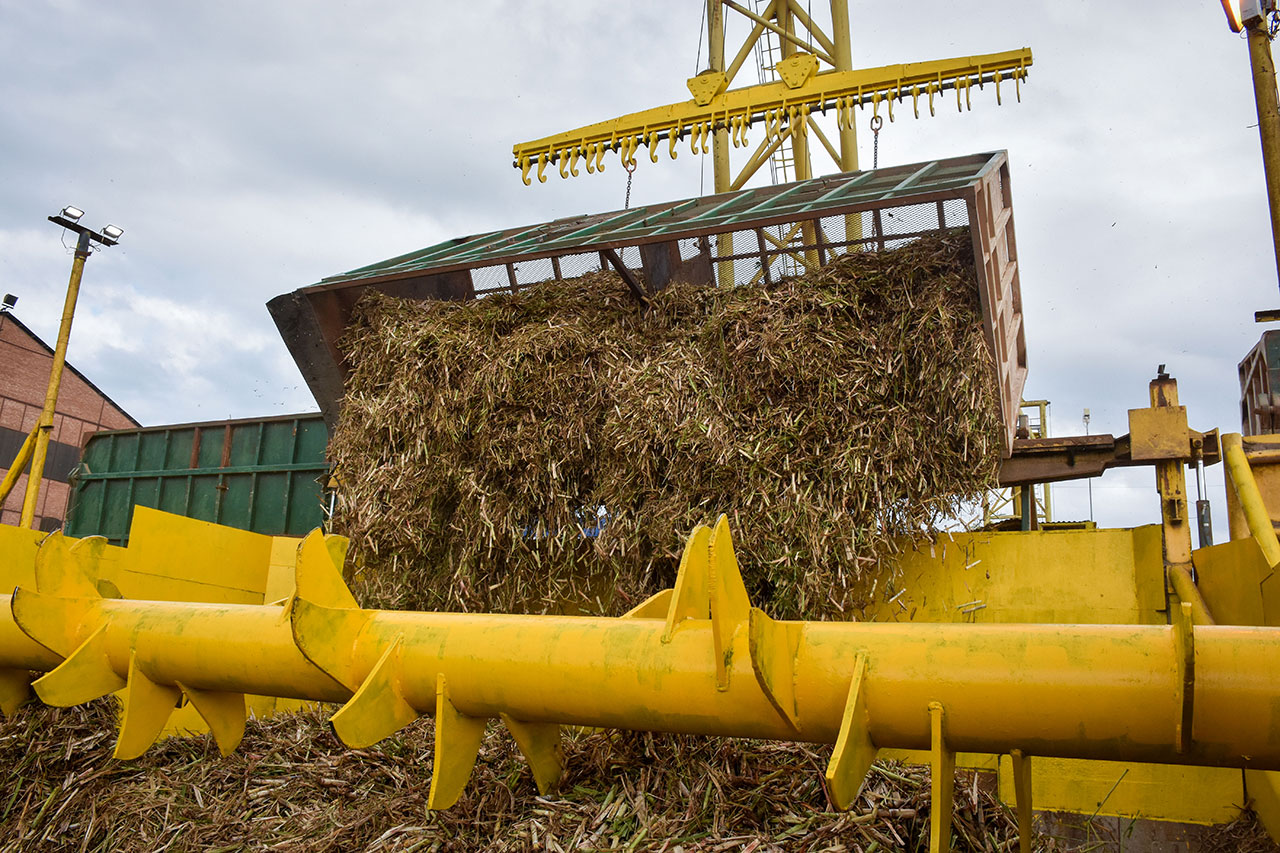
(25, 361)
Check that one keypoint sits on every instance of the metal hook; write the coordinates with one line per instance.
(915, 100)
(996, 77)
(525, 165)
(573, 160)
(672, 139)
(590, 154)
(563, 158)
(542, 167)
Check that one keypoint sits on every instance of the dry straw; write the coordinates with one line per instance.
(827, 415)
(292, 787)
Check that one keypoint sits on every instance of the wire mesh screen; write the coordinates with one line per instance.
(765, 253)
(790, 249)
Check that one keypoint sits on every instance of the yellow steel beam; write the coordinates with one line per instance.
(777, 104)
(697, 659)
(18, 465)
(44, 425)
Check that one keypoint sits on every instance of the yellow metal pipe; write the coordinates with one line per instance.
(1072, 691)
(217, 647)
(44, 427)
(1265, 99)
(1187, 591)
(18, 465)
(1251, 503)
(696, 659)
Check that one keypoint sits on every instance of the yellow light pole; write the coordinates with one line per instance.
(68, 218)
(1251, 16)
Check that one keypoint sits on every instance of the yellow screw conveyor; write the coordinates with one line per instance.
(695, 659)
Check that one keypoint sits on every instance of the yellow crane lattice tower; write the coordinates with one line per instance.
(718, 117)
(815, 74)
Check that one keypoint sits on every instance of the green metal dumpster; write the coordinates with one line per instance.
(268, 475)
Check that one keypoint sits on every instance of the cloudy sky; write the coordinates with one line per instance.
(251, 148)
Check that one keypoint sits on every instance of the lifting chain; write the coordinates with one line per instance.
(876, 123)
(630, 166)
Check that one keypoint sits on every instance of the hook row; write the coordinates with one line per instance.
(785, 118)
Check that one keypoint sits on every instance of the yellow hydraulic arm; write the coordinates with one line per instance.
(697, 658)
(783, 106)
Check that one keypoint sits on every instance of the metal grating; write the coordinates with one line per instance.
(733, 238)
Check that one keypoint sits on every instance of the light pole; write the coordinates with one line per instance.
(38, 441)
(1252, 17)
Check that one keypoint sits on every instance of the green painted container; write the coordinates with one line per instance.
(267, 475)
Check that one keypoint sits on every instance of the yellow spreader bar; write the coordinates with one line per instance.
(695, 659)
(782, 106)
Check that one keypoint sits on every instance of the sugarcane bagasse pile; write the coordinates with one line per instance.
(293, 787)
(830, 415)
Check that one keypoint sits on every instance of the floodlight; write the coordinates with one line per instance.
(72, 213)
(1232, 10)
(1241, 13)
(113, 232)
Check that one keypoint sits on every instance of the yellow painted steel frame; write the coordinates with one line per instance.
(697, 658)
(44, 425)
(782, 109)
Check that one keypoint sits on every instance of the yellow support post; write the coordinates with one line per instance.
(943, 771)
(1268, 106)
(1022, 797)
(720, 170)
(798, 127)
(843, 53)
(44, 426)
